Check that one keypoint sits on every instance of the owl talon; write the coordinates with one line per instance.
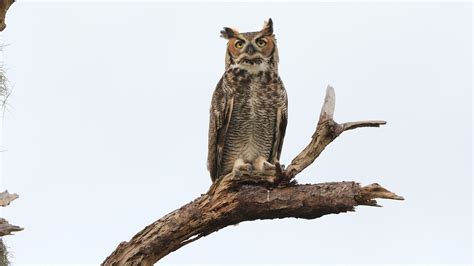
(251, 170)
(237, 173)
(247, 168)
(240, 170)
(268, 166)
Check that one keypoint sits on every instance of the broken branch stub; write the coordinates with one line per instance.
(6, 198)
(4, 6)
(6, 228)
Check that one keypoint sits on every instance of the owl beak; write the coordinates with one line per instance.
(250, 49)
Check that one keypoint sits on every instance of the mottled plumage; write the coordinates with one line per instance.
(248, 113)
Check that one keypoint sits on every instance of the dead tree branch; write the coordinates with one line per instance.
(234, 199)
(6, 198)
(326, 131)
(4, 6)
(5, 227)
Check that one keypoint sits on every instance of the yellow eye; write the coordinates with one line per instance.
(239, 44)
(261, 42)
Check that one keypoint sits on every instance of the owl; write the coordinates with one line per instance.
(248, 113)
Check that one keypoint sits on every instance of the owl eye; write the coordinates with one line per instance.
(261, 42)
(239, 44)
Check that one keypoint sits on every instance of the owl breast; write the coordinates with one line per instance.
(253, 120)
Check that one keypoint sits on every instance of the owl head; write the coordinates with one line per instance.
(253, 51)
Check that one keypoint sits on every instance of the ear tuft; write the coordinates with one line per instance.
(228, 33)
(268, 27)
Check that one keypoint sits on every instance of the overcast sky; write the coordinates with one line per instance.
(106, 128)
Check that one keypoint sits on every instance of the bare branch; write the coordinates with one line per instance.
(6, 198)
(329, 105)
(250, 196)
(368, 193)
(4, 6)
(368, 123)
(209, 213)
(7, 229)
(326, 131)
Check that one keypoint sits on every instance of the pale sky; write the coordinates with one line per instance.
(106, 128)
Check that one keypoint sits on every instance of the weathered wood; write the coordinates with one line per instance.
(4, 6)
(326, 131)
(6, 198)
(209, 213)
(251, 196)
(7, 229)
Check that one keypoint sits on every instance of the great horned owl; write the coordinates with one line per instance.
(248, 114)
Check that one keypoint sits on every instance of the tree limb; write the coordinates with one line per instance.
(326, 131)
(6, 198)
(247, 197)
(4, 6)
(5, 227)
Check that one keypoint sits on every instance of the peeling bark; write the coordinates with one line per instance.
(234, 199)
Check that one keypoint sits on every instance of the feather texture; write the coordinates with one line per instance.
(249, 107)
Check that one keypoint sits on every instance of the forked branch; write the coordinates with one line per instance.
(234, 199)
(326, 131)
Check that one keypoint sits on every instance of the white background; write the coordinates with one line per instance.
(106, 128)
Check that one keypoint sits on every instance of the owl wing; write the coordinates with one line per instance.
(279, 134)
(280, 126)
(220, 114)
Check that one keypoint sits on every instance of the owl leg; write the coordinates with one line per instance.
(240, 165)
(260, 164)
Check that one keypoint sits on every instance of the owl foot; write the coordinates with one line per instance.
(240, 167)
(246, 168)
(262, 166)
(268, 166)
(283, 180)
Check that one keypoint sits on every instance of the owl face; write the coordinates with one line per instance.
(251, 50)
